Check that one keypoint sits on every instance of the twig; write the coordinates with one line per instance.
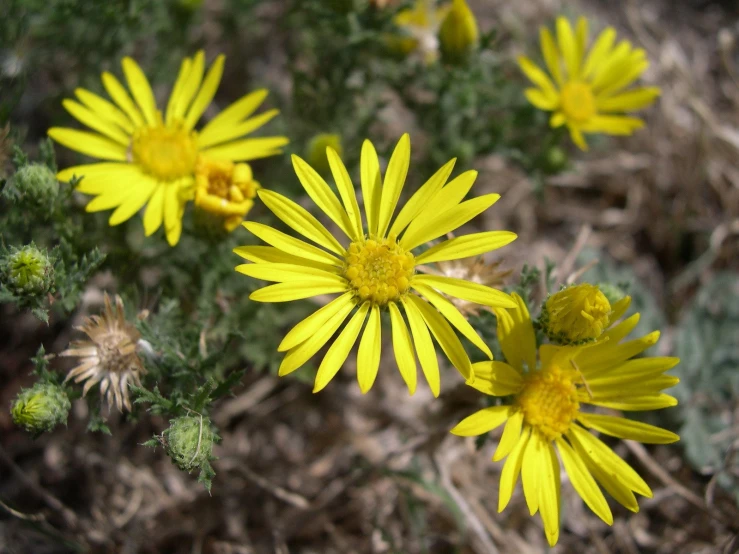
(21, 515)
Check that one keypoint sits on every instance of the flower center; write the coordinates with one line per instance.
(577, 314)
(115, 352)
(578, 102)
(378, 270)
(549, 402)
(167, 152)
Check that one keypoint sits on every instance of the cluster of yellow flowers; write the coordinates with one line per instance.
(381, 261)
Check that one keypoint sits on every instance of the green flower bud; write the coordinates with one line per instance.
(316, 154)
(34, 184)
(189, 442)
(555, 160)
(458, 34)
(28, 271)
(41, 408)
(612, 292)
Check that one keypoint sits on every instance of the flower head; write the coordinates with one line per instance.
(419, 26)
(587, 90)
(109, 357)
(41, 408)
(548, 412)
(458, 33)
(225, 189)
(28, 271)
(189, 441)
(151, 156)
(374, 268)
(579, 313)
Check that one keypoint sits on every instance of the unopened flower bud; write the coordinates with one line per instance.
(33, 184)
(189, 441)
(316, 154)
(458, 34)
(41, 408)
(28, 271)
(576, 315)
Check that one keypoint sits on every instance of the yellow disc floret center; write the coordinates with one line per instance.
(166, 152)
(578, 102)
(549, 402)
(378, 270)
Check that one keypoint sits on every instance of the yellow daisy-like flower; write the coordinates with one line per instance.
(420, 26)
(588, 89)
(151, 157)
(547, 414)
(375, 270)
(579, 314)
(225, 189)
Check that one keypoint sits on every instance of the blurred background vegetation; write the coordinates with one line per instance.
(655, 214)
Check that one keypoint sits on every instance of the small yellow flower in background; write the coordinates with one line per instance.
(587, 90)
(376, 270)
(547, 412)
(109, 357)
(316, 153)
(579, 314)
(225, 189)
(419, 26)
(150, 157)
(458, 34)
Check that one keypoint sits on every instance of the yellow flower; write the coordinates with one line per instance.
(109, 357)
(151, 157)
(588, 93)
(419, 26)
(547, 412)
(225, 189)
(375, 269)
(579, 313)
(458, 33)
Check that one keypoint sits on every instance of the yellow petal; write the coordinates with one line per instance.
(371, 185)
(516, 334)
(322, 195)
(403, 348)
(634, 371)
(539, 99)
(119, 95)
(551, 54)
(482, 422)
(532, 470)
(173, 112)
(206, 93)
(466, 246)
(139, 86)
(448, 221)
(237, 130)
(90, 144)
(599, 52)
(578, 138)
(96, 123)
(466, 290)
(612, 124)
(638, 403)
(420, 199)
(339, 350)
(370, 348)
(424, 347)
(537, 76)
(568, 47)
(445, 199)
(549, 493)
(455, 317)
(496, 378)
(270, 254)
(511, 435)
(298, 218)
(289, 244)
(284, 273)
(236, 112)
(346, 191)
(304, 351)
(190, 86)
(135, 201)
(154, 213)
(247, 149)
(627, 101)
(511, 470)
(311, 324)
(445, 336)
(583, 482)
(395, 175)
(296, 290)
(622, 428)
(603, 356)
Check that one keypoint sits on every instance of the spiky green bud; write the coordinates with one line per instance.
(41, 408)
(33, 184)
(28, 271)
(316, 152)
(189, 442)
(458, 33)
